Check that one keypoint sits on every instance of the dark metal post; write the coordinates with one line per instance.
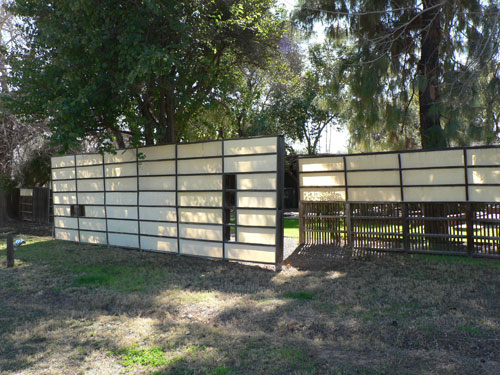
(469, 214)
(280, 175)
(406, 227)
(301, 223)
(348, 224)
(10, 250)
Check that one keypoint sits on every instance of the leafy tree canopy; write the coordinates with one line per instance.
(142, 69)
(428, 68)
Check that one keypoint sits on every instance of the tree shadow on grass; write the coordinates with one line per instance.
(372, 315)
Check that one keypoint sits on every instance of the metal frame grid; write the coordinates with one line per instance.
(465, 227)
(400, 169)
(176, 174)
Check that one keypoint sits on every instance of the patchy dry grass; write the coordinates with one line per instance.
(70, 309)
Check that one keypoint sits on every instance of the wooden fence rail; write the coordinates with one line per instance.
(465, 228)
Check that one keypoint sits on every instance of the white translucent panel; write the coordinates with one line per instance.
(199, 248)
(373, 178)
(62, 210)
(157, 183)
(88, 159)
(445, 158)
(195, 150)
(121, 184)
(264, 236)
(265, 181)
(157, 198)
(200, 215)
(121, 170)
(124, 226)
(157, 152)
(125, 240)
(213, 182)
(256, 217)
(251, 253)
(322, 179)
(26, 192)
(251, 146)
(63, 174)
(484, 156)
(334, 163)
(89, 172)
(120, 212)
(213, 165)
(127, 199)
(66, 222)
(158, 213)
(159, 229)
(91, 185)
(484, 193)
(90, 198)
(484, 176)
(66, 234)
(434, 176)
(322, 194)
(93, 237)
(373, 161)
(120, 156)
(95, 211)
(62, 161)
(201, 232)
(434, 194)
(148, 168)
(257, 199)
(92, 224)
(64, 198)
(387, 194)
(257, 163)
(207, 199)
(59, 186)
(159, 244)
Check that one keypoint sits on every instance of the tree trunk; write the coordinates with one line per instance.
(170, 109)
(431, 133)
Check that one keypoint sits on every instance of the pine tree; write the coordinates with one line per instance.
(430, 65)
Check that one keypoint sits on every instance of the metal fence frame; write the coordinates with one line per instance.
(278, 209)
(471, 227)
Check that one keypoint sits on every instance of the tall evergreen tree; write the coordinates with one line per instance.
(432, 64)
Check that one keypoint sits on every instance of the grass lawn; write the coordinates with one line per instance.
(291, 228)
(70, 309)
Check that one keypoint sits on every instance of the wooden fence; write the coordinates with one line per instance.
(35, 205)
(454, 228)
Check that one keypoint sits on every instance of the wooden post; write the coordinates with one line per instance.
(469, 213)
(10, 250)
(406, 226)
(301, 223)
(348, 225)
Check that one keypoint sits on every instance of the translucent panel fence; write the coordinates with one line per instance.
(432, 201)
(218, 199)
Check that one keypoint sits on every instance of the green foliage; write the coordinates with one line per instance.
(301, 295)
(416, 73)
(104, 69)
(133, 355)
